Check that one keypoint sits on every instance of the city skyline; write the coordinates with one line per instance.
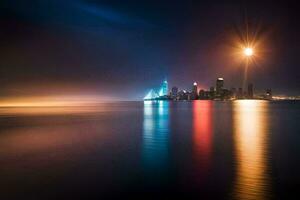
(217, 91)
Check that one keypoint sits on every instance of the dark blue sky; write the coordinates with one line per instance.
(123, 48)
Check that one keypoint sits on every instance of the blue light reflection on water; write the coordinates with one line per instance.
(156, 136)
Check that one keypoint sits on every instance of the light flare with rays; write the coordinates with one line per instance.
(249, 48)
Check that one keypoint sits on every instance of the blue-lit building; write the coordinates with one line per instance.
(164, 89)
(161, 94)
(151, 95)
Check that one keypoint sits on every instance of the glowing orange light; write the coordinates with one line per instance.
(248, 51)
(249, 47)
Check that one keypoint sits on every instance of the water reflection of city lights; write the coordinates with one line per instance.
(250, 136)
(202, 125)
(155, 134)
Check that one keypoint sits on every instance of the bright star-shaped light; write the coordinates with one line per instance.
(248, 51)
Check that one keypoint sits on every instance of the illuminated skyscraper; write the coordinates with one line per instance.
(164, 89)
(219, 86)
(195, 91)
(162, 92)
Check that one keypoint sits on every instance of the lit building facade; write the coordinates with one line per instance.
(219, 86)
(194, 91)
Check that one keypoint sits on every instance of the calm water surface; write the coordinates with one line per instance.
(244, 149)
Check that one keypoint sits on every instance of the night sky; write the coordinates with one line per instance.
(120, 50)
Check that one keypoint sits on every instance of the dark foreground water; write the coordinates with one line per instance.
(227, 150)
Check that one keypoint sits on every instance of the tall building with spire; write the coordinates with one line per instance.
(195, 91)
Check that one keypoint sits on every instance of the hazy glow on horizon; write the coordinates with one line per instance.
(52, 101)
(54, 105)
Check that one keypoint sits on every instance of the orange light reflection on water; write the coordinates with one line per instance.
(51, 105)
(250, 137)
